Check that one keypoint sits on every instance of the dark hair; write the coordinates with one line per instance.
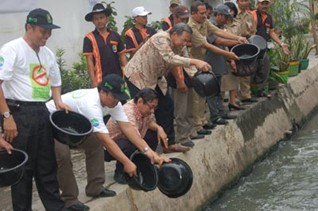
(195, 5)
(208, 6)
(232, 6)
(146, 95)
(179, 28)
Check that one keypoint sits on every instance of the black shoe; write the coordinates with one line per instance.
(105, 193)
(250, 100)
(229, 116)
(197, 137)
(220, 121)
(209, 126)
(235, 107)
(78, 206)
(120, 178)
(188, 144)
(204, 132)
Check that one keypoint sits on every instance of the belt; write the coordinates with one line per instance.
(18, 103)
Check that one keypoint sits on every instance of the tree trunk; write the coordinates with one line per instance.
(313, 24)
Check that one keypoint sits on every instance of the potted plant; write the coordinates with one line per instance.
(279, 64)
(306, 49)
(295, 43)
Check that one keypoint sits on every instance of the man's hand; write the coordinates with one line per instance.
(232, 56)
(62, 106)
(162, 136)
(242, 40)
(285, 48)
(5, 145)
(130, 168)
(161, 159)
(202, 65)
(233, 65)
(181, 86)
(10, 129)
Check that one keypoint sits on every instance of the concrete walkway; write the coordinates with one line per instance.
(217, 160)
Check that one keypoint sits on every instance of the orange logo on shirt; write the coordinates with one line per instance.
(39, 75)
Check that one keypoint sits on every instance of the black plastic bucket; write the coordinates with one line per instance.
(247, 63)
(70, 128)
(175, 178)
(12, 166)
(147, 175)
(260, 42)
(205, 84)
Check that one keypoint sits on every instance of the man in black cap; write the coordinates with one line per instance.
(103, 48)
(94, 104)
(28, 76)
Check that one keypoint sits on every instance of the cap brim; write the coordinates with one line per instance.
(184, 16)
(121, 96)
(89, 16)
(144, 14)
(51, 26)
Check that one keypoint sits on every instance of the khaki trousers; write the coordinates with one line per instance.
(94, 158)
(199, 107)
(183, 103)
(245, 87)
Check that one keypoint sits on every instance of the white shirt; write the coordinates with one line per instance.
(87, 103)
(27, 76)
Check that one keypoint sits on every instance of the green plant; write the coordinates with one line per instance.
(279, 60)
(288, 15)
(296, 47)
(306, 48)
(112, 24)
(127, 25)
(75, 78)
(156, 25)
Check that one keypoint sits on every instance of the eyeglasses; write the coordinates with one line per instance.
(151, 106)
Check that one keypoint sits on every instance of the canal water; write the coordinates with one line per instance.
(286, 180)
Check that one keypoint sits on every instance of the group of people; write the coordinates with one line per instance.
(129, 83)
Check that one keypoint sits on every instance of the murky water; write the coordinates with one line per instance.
(286, 180)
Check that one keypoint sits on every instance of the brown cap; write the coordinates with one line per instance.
(182, 11)
(178, 2)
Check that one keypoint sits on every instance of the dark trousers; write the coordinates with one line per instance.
(128, 148)
(215, 104)
(35, 138)
(164, 112)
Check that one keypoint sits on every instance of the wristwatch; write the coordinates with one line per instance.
(145, 150)
(6, 114)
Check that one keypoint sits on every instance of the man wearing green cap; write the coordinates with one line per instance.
(29, 76)
(94, 104)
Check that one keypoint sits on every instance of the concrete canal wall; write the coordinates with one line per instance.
(221, 157)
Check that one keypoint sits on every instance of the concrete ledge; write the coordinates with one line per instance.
(221, 157)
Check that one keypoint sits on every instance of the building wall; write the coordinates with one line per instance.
(69, 14)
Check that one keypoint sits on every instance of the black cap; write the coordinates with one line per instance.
(223, 9)
(116, 85)
(98, 8)
(41, 17)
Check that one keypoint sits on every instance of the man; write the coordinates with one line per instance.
(201, 29)
(219, 62)
(182, 90)
(94, 104)
(265, 28)
(103, 48)
(168, 22)
(140, 112)
(136, 36)
(159, 55)
(28, 76)
(247, 28)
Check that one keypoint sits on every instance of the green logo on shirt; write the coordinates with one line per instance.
(95, 122)
(1, 61)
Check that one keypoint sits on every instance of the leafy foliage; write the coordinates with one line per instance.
(75, 78)
(288, 15)
(111, 19)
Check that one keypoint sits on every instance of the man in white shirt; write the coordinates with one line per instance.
(94, 104)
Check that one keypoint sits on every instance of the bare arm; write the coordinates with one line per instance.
(276, 39)
(123, 59)
(214, 49)
(161, 135)
(228, 35)
(10, 130)
(133, 136)
(56, 94)
(91, 70)
(115, 151)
